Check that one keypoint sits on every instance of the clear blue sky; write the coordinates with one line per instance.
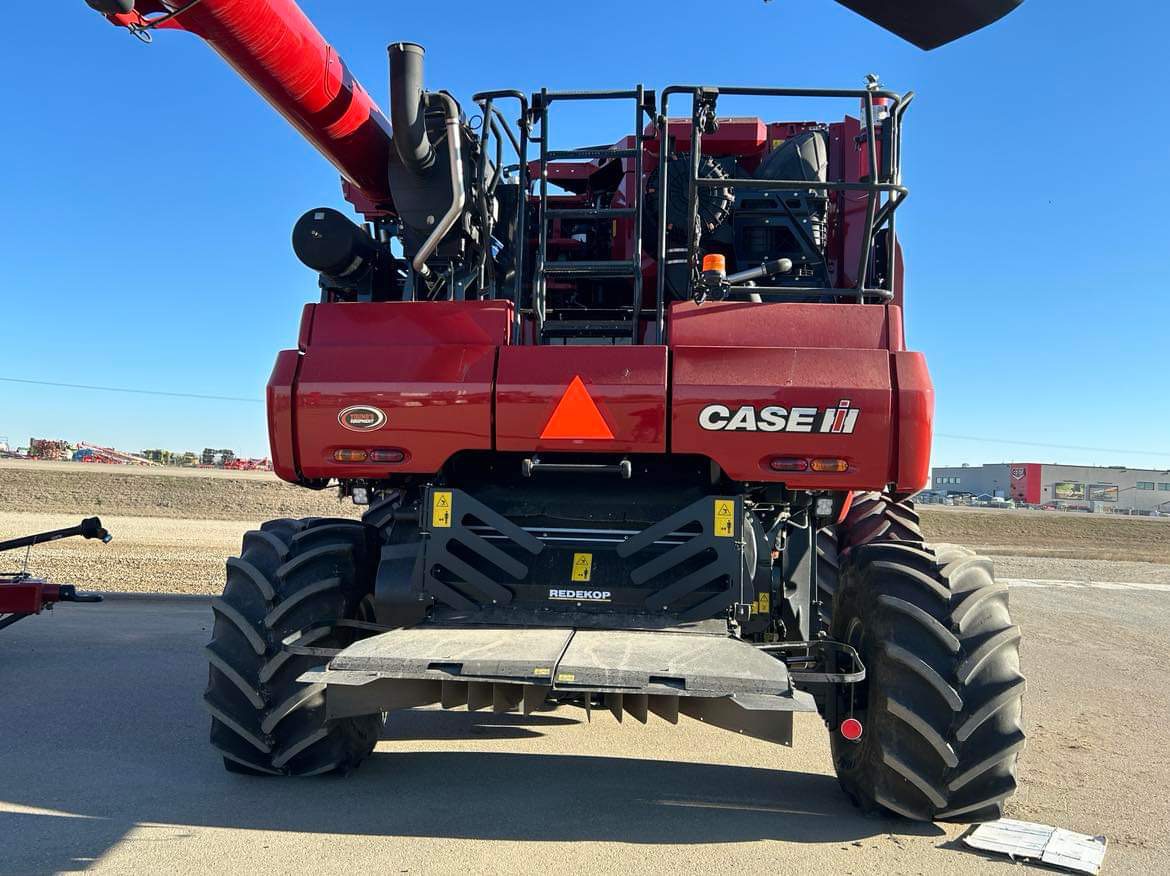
(148, 197)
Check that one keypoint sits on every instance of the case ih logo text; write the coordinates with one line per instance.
(841, 419)
(580, 595)
(362, 418)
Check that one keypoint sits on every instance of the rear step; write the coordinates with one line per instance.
(707, 676)
(592, 269)
(602, 152)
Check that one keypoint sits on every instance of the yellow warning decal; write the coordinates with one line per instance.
(725, 518)
(566, 676)
(582, 567)
(765, 601)
(441, 510)
(755, 607)
(541, 672)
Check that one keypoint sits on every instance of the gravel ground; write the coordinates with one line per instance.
(105, 766)
(118, 490)
(1051, 533)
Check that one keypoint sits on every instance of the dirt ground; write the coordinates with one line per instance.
(1090, 652)
(1070, 534)
(174, 528)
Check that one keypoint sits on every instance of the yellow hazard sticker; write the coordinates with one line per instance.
(725, 518)
(566, 676)
(582, 567)
(441, 509)
(765, 601)
(541, 672)
(755, 607)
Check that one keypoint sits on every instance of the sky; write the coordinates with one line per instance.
(148, 197)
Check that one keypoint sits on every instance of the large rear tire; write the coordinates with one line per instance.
(941, 703)
(292, 576)
(877, 518)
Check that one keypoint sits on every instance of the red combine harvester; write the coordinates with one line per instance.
(636, 425)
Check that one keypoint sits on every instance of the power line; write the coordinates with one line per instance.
(1054, 446)
(231, 398)
(235, 398)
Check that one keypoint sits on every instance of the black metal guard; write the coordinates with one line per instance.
(727, 547)
(443, 513)
(703, 99)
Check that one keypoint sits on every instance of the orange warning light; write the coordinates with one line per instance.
(715, 262)
(576, 416)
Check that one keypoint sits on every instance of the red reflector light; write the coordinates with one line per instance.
(347, 454)
(788, 463)
(387, 456)
(830, 465)
(851, 729)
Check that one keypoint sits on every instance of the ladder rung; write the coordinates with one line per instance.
(566, 327)
(554, 154)
(590, 213)
(550, 96)
(594, 269)
(565, 243)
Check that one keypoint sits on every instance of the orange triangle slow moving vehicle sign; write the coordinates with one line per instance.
(577, 416)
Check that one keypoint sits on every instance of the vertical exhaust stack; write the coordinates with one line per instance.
(429, 200)
(408, 107)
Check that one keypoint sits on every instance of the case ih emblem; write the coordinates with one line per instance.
(362, 418)
(841, 419)
(1018, 472)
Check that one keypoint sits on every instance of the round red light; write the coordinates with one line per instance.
(851, 729)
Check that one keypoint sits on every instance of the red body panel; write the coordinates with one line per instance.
(915, 419)
(786, 325)
(281, 438)
(846, 388)
(789, 378)
(628, 385)
(428, 367)
(24, 597)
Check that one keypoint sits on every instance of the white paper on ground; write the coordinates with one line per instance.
(1076, 852)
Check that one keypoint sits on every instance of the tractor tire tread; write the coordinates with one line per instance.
(943, 689)
(292, 575)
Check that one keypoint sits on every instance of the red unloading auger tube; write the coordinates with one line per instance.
(278, 51)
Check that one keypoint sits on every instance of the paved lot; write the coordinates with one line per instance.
(104, 764)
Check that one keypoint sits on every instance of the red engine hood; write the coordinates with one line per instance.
(740, 384)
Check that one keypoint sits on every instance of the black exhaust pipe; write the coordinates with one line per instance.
(408, 107)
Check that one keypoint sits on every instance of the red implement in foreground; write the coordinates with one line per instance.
(22, 596)
(636, 424)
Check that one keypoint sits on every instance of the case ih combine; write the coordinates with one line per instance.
(636, 425)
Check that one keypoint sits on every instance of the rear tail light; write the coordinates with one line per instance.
(349, 454)
(788, 463)
(387, 455)
(824, 465)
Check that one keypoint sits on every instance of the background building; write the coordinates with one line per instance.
(1102, 488)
